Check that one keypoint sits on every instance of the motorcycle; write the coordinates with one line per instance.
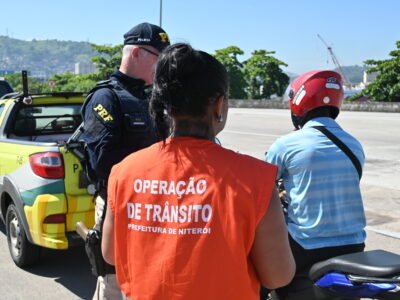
(373, 274)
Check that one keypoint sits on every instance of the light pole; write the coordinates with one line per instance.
(160, 13)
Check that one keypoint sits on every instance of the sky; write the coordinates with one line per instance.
(356, 30)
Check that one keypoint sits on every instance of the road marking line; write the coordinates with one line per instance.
(250, 133)
(391, 234)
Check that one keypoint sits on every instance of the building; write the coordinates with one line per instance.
(84, 68)
(369, 77)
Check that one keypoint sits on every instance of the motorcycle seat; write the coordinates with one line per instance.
(373, 263)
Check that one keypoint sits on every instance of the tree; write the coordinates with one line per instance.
(69, 82)
(386, 87)
(228, 57)
(264, 76)
(34, 85)
(108, 60)
(66, 82)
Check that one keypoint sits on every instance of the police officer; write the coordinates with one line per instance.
(117, 122)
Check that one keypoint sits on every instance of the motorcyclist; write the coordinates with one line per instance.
(325, 214)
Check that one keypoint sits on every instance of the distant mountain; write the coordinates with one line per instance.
(291, 75)
(354, 74)
(49, 57)
(46, 57)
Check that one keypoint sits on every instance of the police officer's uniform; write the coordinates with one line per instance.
(116, 124)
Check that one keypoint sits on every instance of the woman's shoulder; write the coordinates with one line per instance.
(143, 156)
(244, 161)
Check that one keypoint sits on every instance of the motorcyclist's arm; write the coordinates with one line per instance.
(271, 254)
(275, 156)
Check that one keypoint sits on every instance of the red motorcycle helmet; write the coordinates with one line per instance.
(316, 89)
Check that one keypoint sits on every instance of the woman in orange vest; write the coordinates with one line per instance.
(189, 219)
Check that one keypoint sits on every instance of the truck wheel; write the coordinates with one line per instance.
(22, 251)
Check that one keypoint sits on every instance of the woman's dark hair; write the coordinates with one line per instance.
(186, 82)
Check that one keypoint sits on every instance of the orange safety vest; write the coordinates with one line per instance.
(185, 216)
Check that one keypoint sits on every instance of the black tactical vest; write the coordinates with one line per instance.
(138, 129)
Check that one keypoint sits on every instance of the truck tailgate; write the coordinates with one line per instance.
(80, 204)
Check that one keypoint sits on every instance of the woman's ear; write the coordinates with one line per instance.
(219, 107)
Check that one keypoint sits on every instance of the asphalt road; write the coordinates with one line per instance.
(66, 274)
(252, 131)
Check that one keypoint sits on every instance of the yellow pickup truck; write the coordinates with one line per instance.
(43, 192)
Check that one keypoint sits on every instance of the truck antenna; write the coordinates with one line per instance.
(25, 91)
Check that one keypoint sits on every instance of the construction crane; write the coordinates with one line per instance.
(335, 61)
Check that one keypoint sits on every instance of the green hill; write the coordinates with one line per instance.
(49, 57)
(46, 57)
(354, 74)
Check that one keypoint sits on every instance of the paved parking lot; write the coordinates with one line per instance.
(66, 274)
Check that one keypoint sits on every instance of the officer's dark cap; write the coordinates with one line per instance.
(147, 34)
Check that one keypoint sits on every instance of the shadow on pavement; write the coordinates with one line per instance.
(70, 268)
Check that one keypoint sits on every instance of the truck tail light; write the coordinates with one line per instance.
(54, 219)
(47, 165)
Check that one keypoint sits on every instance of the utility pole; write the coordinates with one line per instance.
(160, 13)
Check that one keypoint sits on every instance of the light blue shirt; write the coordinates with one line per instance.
(323, 185)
